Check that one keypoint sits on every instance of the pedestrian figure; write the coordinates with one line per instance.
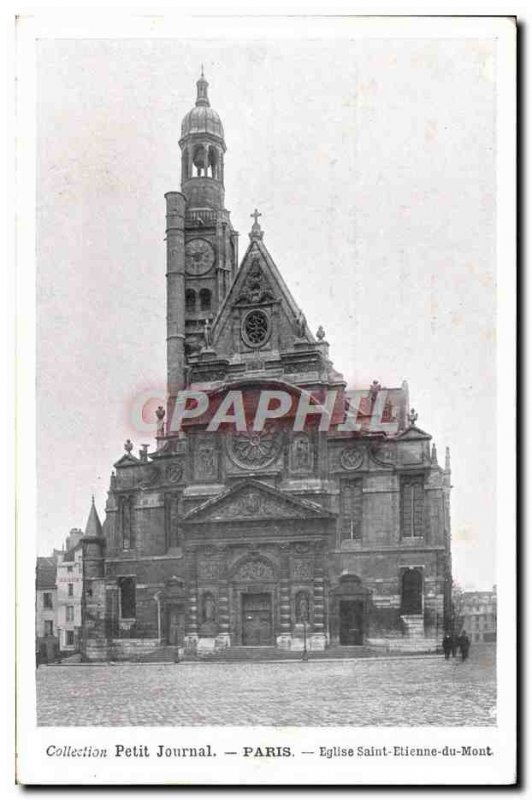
(447, 645)
(464, 644)
(454, 644)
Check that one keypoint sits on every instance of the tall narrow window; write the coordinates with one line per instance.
(70, 589)
(126, 522)
(190, 301)
(172, 520)
(412, 499)
(128, 605)
(47, 600)
(70, 613)
(351, 510)
(205, 299)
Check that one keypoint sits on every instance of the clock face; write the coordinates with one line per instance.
(199, 257)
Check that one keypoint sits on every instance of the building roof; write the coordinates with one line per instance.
(202, 118)
(46, 573)
(93, 526)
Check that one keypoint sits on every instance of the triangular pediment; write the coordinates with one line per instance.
(259, 284)
(127, 460)
(413, 433)
(252, 499)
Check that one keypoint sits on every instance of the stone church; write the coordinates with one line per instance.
(300, 540)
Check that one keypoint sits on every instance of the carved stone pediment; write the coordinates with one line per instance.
(253, 500)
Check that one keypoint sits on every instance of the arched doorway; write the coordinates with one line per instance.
(254, 587)
(412, 592)
(349, 611)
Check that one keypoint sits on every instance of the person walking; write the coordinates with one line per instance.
(454, 644)
(447, 645)
(464, 645)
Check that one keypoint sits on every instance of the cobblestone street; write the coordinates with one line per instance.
(393, 692)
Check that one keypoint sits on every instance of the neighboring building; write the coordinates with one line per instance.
(69, 592)
(479, 614)
(47, 643)
(271, 539)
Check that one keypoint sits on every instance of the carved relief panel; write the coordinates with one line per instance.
(301, 455)
(206, 461)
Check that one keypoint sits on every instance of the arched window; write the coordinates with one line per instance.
(200, 160)
(190, 300)
(411, 592)
(412, 501)
(205, 299)
(213, 161)
(351, 503)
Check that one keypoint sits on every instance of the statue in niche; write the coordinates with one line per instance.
(302, 607)
(301, 454)
(301, 325)
(206, 466)
(209, 608)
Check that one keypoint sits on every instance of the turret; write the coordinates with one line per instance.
(202, 153)
(202, 246)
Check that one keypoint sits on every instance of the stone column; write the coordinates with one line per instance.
(318, 639)
(284, 637)
(175, 295)
(224, 637)
(191, 623)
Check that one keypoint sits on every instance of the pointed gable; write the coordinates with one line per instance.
(259, 285)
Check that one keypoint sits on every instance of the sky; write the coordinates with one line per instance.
(372, 162)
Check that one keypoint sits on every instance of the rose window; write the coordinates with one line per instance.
(255, 328)
(253, 450)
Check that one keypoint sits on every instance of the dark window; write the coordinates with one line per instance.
(128, 604)
(70, 589)
(172, 520)
(351, 510)
(205, 299)
(190, 300)
(70, 613)
(48, 627)
(69, 638)
(69, 569)
(47, 600)
(412, 499)
(411, 592)
(126, 522)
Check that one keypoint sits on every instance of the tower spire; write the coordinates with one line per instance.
(202, 98)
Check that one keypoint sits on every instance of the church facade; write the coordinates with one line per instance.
(295, 536)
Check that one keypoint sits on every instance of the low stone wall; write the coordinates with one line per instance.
(404, 645)
(131, 649)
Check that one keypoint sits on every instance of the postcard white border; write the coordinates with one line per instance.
(33, 764)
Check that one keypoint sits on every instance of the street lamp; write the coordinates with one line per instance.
(304, 657)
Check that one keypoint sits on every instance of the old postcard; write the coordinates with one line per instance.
(266, 515)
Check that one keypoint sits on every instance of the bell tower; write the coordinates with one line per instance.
(210, 242)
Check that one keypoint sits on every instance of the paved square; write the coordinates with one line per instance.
(407, 691)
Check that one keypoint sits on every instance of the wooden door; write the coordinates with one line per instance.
(351, 622)
(257, 628)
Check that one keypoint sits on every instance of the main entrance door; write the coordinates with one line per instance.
(175, 621)
(351, 622)
(257, 619)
